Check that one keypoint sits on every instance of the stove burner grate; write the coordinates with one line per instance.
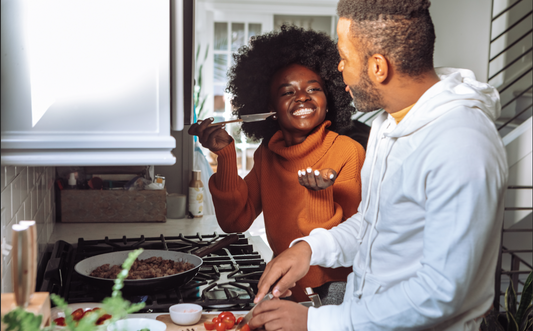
(227, 278)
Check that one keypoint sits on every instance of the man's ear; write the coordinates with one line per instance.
(378, 68)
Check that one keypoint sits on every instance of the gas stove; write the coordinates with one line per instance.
(226, 280)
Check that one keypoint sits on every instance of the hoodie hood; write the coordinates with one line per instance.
(457, 87)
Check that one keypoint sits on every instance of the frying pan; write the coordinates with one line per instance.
(149, 285)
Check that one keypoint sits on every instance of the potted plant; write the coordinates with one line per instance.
(518, 316)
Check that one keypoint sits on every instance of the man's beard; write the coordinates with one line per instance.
(366, 97)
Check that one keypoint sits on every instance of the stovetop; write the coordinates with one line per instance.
(227, 278)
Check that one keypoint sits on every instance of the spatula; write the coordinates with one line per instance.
(247, 118)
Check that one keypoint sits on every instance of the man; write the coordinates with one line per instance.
(424, 242)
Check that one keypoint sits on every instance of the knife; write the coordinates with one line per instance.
(247, 118)
(248, 316)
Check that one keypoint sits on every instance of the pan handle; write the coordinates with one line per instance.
(203, 251)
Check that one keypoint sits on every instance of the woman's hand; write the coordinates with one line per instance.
(317, 180)
(213, 137)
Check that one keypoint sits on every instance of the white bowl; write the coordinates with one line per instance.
(185, 313)
(136, 324)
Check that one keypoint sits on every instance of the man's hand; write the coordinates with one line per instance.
(280, 315)
(288, 267)
(213, 137)
(317, 180)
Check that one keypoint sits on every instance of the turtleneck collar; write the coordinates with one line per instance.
(309, 151)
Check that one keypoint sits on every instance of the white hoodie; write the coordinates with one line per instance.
(425, 240)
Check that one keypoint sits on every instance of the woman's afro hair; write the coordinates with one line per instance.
(256, 64)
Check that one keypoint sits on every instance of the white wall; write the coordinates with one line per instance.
(463, 34)
(27, 194)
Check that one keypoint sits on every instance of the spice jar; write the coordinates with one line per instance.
(196, 194)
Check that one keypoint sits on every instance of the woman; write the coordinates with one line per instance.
(304, 175)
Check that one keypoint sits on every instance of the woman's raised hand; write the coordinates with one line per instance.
(213, 137)
(317, 180)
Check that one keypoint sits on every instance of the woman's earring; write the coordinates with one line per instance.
(327, 110)
(274, 117)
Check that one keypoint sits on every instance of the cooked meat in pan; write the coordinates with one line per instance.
(149, 268)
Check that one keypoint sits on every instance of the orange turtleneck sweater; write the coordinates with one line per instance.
(290, 210)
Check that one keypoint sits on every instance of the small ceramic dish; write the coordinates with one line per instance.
(185, 313)
(136, 324)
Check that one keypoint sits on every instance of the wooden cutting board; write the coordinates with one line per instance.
(197, 327)
(39, 305)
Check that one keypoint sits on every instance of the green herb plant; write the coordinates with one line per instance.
(519, 315)
(116, 306)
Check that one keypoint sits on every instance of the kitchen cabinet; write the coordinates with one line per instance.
(86, 82)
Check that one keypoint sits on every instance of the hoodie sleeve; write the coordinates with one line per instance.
(465, 177)
(330, 250)
(237, 201)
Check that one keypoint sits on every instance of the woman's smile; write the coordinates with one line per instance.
(303, 112)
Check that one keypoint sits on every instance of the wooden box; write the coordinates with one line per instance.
(113, 206)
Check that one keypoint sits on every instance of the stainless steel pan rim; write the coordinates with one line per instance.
(86, 266)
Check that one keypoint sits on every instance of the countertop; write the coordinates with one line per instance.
(70, 232)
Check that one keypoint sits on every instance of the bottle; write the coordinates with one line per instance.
(196, 194)
(72, 181)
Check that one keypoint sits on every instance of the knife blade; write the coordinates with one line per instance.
(248, 316)
(247, 118)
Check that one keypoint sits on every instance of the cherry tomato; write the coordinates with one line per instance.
(102, 319)
(220, 326)
(245, 328)
(60, 321)
(239, 320)
(77, 314)
(229, 322)
(208, 325)
(226, 314)
(216, 320)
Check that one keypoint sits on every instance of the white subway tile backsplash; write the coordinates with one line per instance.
(27, 208)
(3, 217)
(31, 177)
(51, 177)
(8, 233)
(19, 216)
(39, 219)
(24, 183)
(6, 202)
(7, 279)
(27, 193)
(10, 174)
(15, 194)
(46, 203)
(3, 177)
(34, 206)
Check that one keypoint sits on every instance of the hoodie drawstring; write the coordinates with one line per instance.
(359, 292)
